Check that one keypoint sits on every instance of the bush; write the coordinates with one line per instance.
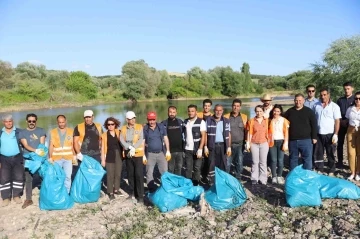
(81, 82)
(34, 88)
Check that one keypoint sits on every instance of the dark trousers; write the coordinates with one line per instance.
(324, 141)
(205, 166)
(113, 173)
(12, 176)
(176, 162)
(305, 148)
(217, 158)
(236, 159)
(193, 166)
(135, 170)
(340, 145)
(277, 158)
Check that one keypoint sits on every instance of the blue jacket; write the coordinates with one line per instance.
(211, 132)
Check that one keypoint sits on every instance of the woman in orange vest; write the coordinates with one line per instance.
(258, 142)
(111, 156)
(279, 129)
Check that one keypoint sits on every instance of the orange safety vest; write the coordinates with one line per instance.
(104, 140)
(286, 125)
(138, 128)
(81, 129)
(201, 115)
(243, 117)
(250, 129)
(65, 151)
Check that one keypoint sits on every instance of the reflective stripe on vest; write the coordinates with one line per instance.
(139, 152)
(65, 151)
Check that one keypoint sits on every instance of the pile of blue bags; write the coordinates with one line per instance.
(175, 191)
(53, 194)
(307, 188)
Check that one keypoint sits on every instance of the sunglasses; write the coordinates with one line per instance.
(110, 124)
(311, 91)
(356, 98)
(31, 121)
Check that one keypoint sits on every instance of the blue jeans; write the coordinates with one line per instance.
(67, 166)
(305, 147)
(277, 158)
(236, 158)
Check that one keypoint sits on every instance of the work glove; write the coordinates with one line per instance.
(199, 153)
(334, 139)
(79, 156)
(144, 160)
(40, 152)
(285, 146)
(247, 146)
(206, 151)
(168, 156)
(50, 160)
(228, 151)
(74, 161)
(131, 152)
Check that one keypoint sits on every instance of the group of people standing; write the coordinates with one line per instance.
(202, 141)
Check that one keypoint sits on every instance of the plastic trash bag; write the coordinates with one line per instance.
(226, 193)
(181, 186)
(87, 183)
(166, 201)
(331, 187)
(33, 161)
(53, 193)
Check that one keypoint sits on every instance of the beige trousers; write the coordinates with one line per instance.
(353, 147)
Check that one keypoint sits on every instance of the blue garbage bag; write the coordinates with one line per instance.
(331, 187)
(53, 193)
(226, 193)
(181, 186)
(87, 183)
(166, 201)
(301, 188)
(33, 161)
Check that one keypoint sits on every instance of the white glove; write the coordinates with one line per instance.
(199, 153)
(285, 146)
(247, 146)
(144, 160)
(206, 151)
(51, 160)
(132, 151)
(334, 139)
(40, 152)
(79, 156)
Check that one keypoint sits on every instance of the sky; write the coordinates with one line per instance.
(276, 37)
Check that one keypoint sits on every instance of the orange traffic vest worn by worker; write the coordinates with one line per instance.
(243, 117)
(81, 129)
(285, 127)
(201, 115)
(139, 152)
(65, 151)
(104, 140)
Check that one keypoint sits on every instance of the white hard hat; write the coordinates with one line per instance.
(88, 113)
(130, 115)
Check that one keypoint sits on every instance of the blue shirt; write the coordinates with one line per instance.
(8, 143)
(326, 117)
(154, 140)
(219, 137)
(311, 104)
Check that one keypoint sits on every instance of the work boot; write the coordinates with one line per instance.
(5, 202)
(17, 200)
(27, 203)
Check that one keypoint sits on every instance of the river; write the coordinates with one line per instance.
(74, 115)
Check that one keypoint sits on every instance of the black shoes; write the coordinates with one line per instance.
(111, 196)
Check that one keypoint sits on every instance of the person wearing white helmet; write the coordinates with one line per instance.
(132, 140)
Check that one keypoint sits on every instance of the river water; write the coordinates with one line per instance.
(74, 115)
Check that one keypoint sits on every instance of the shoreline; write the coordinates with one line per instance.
(48, 105)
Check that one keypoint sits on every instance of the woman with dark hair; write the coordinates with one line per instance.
(111, 157)
(353, 137)
(279, 130)
(257, 141)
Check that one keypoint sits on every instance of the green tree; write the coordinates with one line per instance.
(82, 83)
(32, 70)
(134, 88)
(56, 79)
(165, 84)
(34, 88)
(6, 72)
(248, 84)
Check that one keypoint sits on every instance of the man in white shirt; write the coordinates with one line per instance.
(328, 117)
(194, 130)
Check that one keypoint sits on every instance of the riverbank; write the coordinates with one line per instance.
(50, 105)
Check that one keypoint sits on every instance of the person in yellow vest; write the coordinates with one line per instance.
(111, 156)
(132, 140)
(87, 139)
(279, 129)
(237, 125)
(61, 150)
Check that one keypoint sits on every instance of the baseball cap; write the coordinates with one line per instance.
(151, 115)
(130, 115)
(88, 113)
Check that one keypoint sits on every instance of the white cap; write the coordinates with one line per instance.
(130, 115)
(88, 113)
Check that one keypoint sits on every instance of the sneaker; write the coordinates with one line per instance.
(5, 202)
(130, 197)
(111, 196)
(140, 200)
(357, 178)
(27, 203)
(274, 180)
(263, 183)
(331, 174)
(280, 180)
(351, 177)
(254, 182)
(119, 193)
(17, 200)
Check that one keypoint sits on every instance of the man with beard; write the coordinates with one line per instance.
(311, 100)
(266, 100)
(31, 137)
(174, 128)
(206, 113)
